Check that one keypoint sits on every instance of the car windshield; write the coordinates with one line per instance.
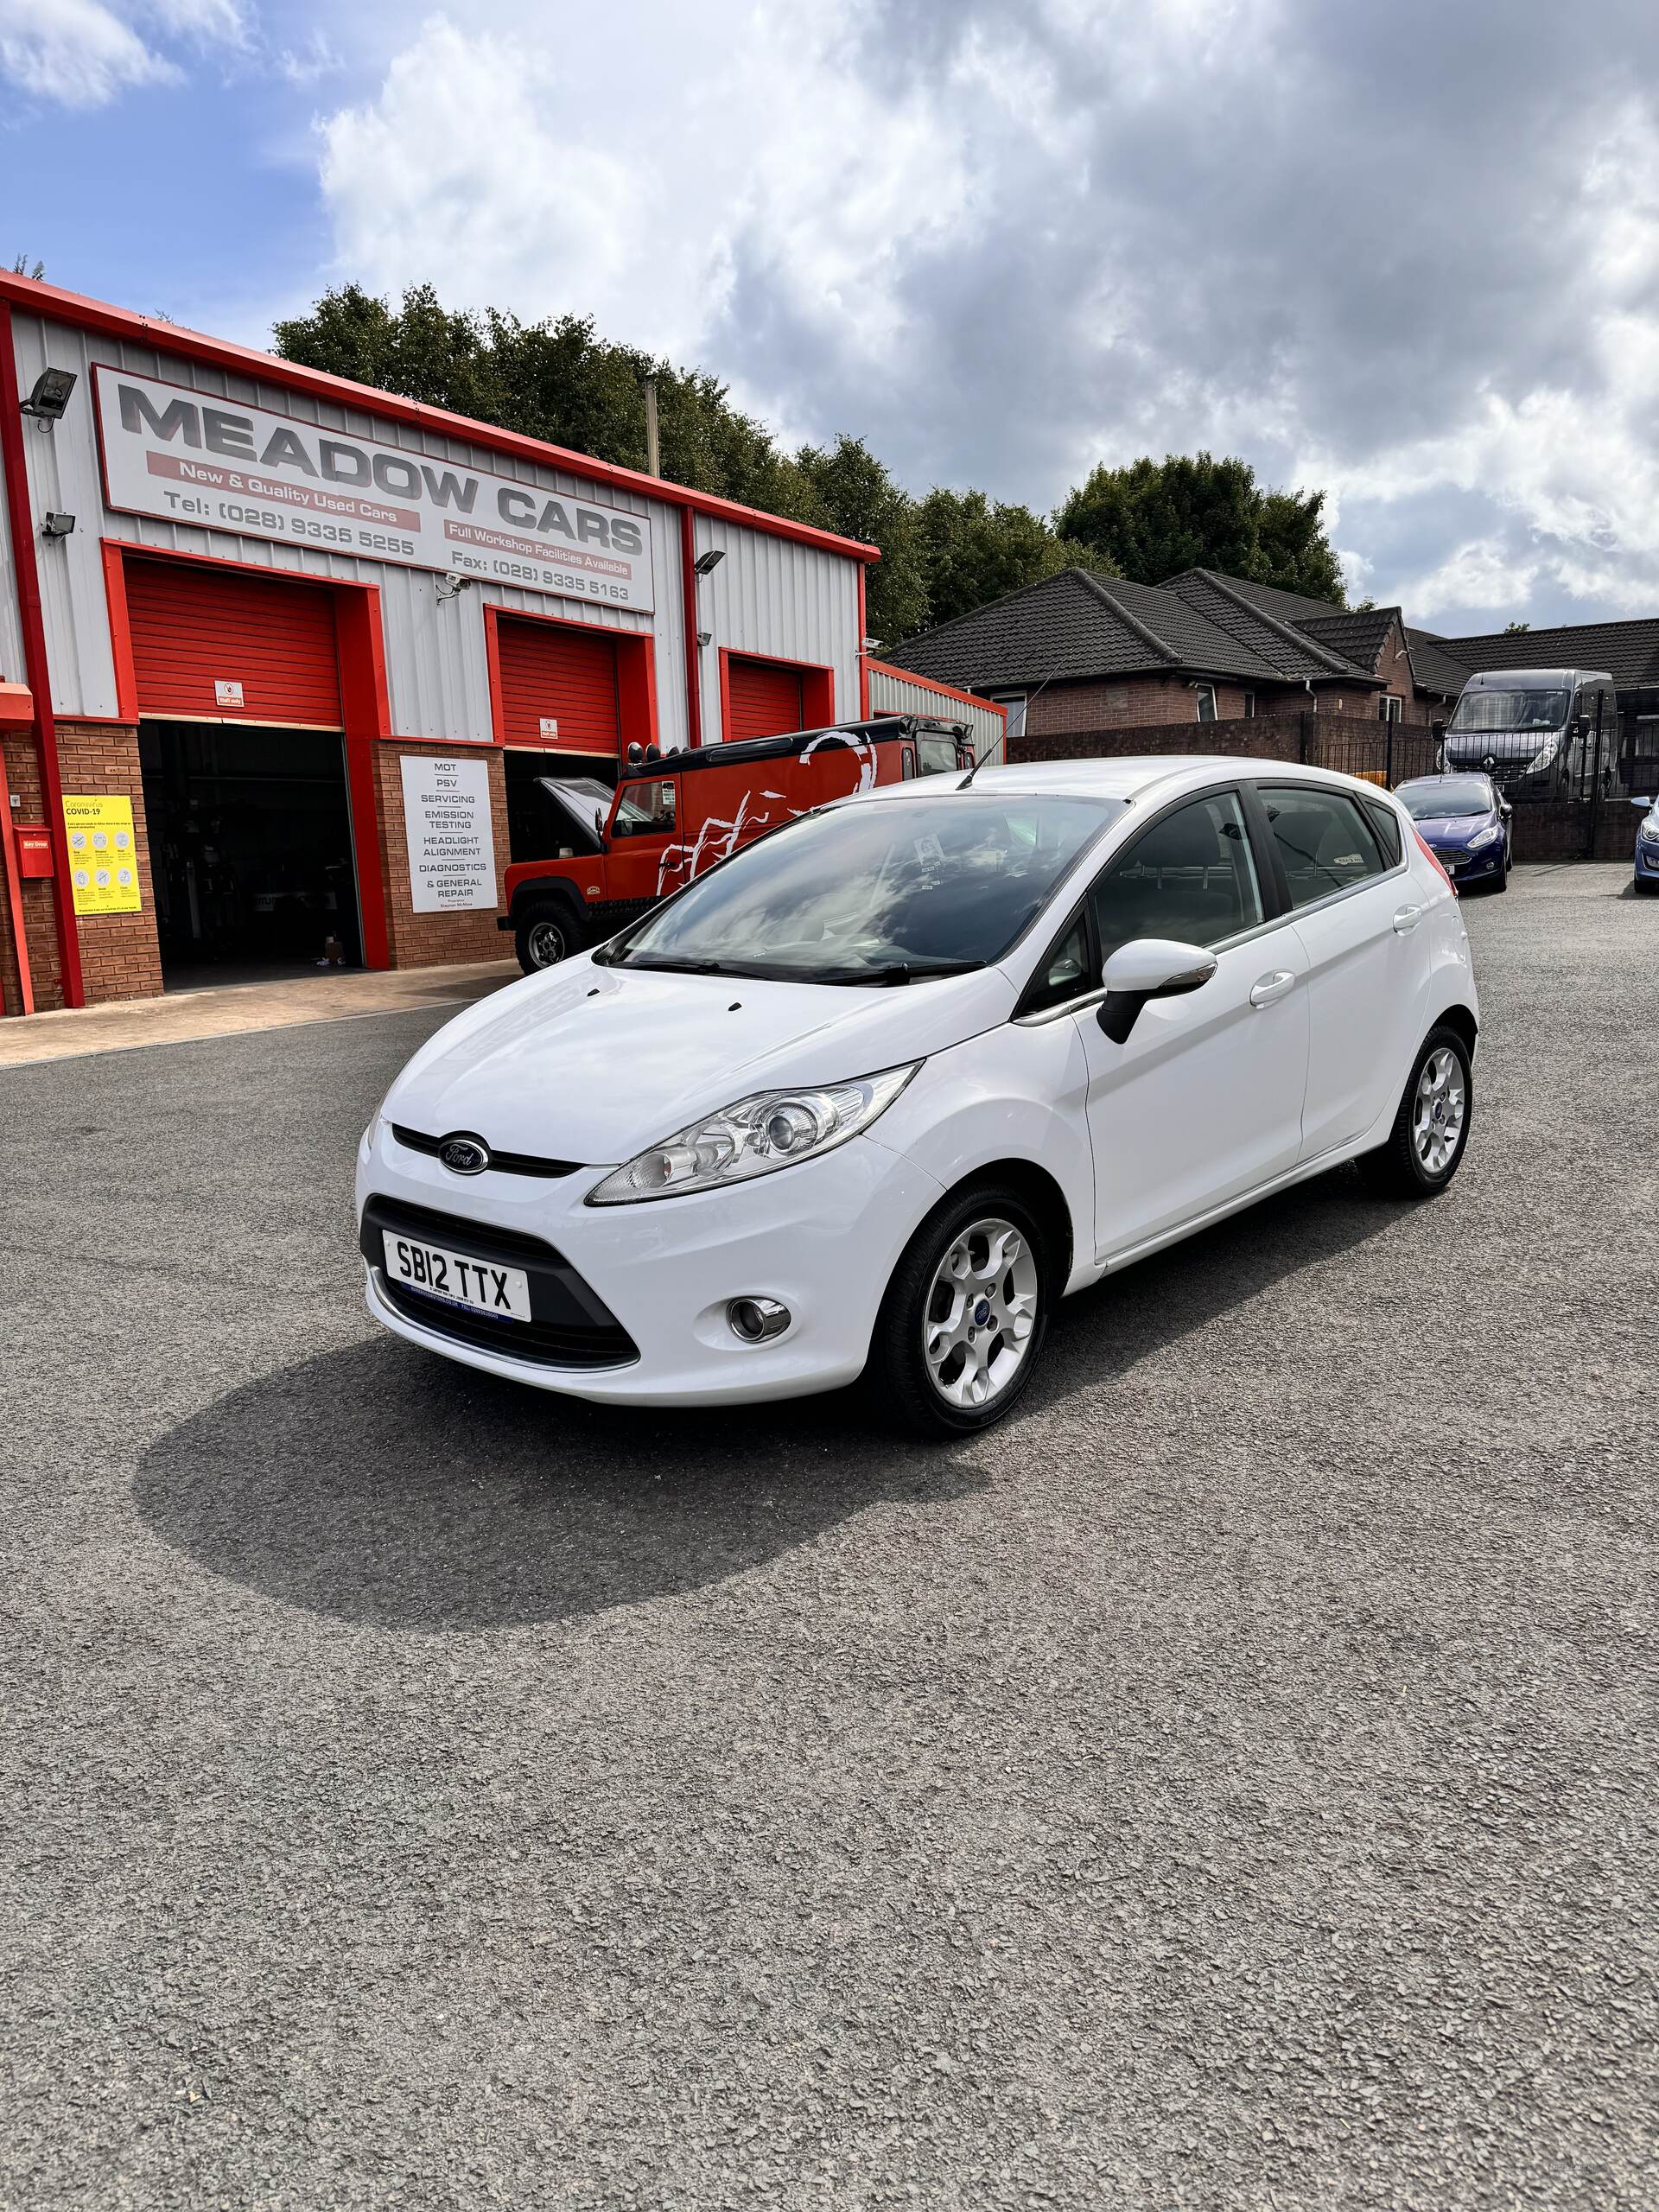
(1510, 710)
(1437, 798)
(888, 892)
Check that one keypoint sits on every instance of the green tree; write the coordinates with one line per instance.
(975, 550)
(1153, 519)
(1516, 629)
(849, 490)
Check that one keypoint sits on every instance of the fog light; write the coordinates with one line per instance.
(754, 1320)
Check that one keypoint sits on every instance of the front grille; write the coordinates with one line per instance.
(509, 1163)
(570, 1324)
(539, 1341)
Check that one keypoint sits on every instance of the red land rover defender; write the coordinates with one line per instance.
(675, 814)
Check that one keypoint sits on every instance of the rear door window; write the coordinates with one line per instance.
(1386, 822)
(1323, 841)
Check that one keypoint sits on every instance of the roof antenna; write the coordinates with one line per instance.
(980, 759)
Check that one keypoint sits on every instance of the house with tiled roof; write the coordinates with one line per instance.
(1080, 651)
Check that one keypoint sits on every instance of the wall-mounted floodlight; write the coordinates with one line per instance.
(56, 525)
(706, 562)
(705, 636)
(51, 395)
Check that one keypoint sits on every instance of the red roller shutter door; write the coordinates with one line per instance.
(764, 699)
(198, 630)
(551, 673)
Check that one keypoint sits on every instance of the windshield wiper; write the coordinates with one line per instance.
(899, 971)
(678, 967)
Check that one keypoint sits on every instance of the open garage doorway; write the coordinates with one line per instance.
(250, 852)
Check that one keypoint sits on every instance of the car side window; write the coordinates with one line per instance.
(1065, 973)
(1386, 822)
(1191, 877)
(644, 811)
(1324, 839)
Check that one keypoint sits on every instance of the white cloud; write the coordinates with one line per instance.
(82, 54)
(309, 63)
(1004, 238)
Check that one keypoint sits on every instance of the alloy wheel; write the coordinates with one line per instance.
(981, 1311)
(546, 944)
(1438, 1110)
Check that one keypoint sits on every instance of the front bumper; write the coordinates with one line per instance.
(822, 1238)
(1647, 862)
(1464, 866)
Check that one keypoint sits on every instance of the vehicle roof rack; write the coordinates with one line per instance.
(877, 729)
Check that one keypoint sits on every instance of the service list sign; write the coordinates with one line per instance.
(451, 837)
(190, 458)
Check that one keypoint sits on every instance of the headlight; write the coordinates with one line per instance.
(1647, 831)
(1489, 835)
(758, 1135)
(1546, 752)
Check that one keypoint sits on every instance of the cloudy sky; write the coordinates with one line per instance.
(1408, 252)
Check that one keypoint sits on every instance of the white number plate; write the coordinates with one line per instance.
(478, 1284)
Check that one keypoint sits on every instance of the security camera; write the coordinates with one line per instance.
(452, 583)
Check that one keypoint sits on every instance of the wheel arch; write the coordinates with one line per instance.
(1461, 1018)
(1047, 1201)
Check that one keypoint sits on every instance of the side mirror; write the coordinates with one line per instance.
(1644, 804)
(1148, 968)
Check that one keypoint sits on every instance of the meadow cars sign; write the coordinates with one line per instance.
(188, 457)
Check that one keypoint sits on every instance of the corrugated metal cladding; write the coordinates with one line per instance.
(764, 699)
(894, 692)
(770, 596)
(437, 667)
(204, 638)
(549, 670)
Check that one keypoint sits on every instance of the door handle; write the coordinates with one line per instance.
(1405, 920)
(1268, 990)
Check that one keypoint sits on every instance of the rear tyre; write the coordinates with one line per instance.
(964, 1316)
(544, 935)
(1431, 1129)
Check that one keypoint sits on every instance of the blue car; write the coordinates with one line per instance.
(1647, 847)
(1468, 825)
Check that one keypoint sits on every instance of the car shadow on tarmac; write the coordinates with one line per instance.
(379, 1484)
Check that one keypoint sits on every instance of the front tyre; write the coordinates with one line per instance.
(964, 1315)
(543, 936)
(1432, 1127)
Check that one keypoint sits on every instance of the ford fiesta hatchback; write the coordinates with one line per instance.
(877, 1092)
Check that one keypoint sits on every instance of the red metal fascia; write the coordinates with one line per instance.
(693, 651)
(9, 865)
(20, 522)
(863, 657)
(51, 301)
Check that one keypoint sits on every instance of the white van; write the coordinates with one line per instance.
(1534, 731)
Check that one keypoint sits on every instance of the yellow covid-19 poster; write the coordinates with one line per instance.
(103, 858)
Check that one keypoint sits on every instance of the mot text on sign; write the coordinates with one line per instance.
(191, 457)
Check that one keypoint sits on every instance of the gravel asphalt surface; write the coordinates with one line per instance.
(1231, 1783)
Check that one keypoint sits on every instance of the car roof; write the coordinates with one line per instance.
(1505, 679)
(1129, 779)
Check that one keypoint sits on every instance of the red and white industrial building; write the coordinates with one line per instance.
(308, 633)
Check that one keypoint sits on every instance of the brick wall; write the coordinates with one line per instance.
(1562, 830)
(120, 956)
(1141, 701)
(40, 928)
(1358, 745)
(433, 940)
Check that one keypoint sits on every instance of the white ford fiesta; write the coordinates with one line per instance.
(874, 1093)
